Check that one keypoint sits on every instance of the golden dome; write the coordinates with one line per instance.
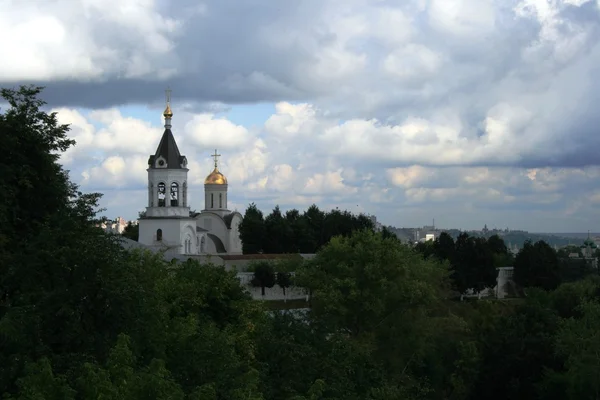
(215, 178)
(168, 113)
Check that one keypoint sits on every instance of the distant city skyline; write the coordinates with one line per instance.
(468, 112)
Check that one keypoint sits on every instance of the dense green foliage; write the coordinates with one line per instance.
(473, 260)
(81, 318)
(132, 231)
(264, 276)
(511, 238)
(293, 232)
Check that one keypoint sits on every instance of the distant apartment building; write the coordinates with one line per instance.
(115, 226)
(377, 225)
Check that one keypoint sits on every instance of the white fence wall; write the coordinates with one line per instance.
(274, 293)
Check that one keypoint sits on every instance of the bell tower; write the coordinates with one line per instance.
(167, 175)
(167, 222)
(215, 190)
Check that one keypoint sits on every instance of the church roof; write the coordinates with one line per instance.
(168, 150)
(227, 218)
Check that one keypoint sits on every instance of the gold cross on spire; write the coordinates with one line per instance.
(216, 157)
(168, 95)
(168, 113)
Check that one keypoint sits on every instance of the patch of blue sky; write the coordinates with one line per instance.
(250, 115)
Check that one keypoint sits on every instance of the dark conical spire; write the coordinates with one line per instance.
(167, 154)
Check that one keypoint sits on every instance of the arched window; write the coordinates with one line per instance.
(202, 244)
(159, 235)
(161, 194)
(212, 200)
(174, 194)
(220, 200)
(185, 194)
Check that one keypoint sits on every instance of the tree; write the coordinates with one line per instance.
(536, 265)
(284, 280)
(518, 352)
(337, 223)
(301, 241)
(131, 231)
(264, 276)
(497, 245)
(80, 317)
(315, 220)
(373, 290)
(577, 341)
(426, 249)
(357, 281)
(278, 233)
(386, 233)
(473, 265)
(252, 230)
(444, 247)
(33, 185)
(502, 257)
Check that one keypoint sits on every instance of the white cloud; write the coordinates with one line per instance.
(85, 40)
(330, 182)
(111, 161)
(413, 62)
(204, 130)
(461, 108)
(468, 19)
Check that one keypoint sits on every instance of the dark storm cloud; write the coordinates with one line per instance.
(235, 52)
(220, 55)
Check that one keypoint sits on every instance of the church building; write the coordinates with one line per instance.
(168, 223)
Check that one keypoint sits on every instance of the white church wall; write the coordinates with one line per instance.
(505, 275)
(189, 238)
(174, 233)
(170, 232)
(239, 265)
(210, 247)
(214, 224)
(218, 202)
(167, 176)
(235, 243)
(274, 293)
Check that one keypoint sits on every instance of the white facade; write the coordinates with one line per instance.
(505, 275)
(167, 193)
(215, 198)
(167, 223)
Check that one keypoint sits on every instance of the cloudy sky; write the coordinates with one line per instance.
(471, 112)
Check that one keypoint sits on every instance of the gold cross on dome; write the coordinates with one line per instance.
(216, 157)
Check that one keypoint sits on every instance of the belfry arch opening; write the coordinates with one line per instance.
(174, 194)
(161, 194)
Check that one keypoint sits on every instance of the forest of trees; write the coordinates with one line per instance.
(295, 232)
(473, 262)
(82, 318)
